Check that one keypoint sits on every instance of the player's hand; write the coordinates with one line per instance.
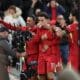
(44, 36)
(23, 54)
(33, 3)
(45, 48)
(58, 31)
(18, 55)
(39, 24)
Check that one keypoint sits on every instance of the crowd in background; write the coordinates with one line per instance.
(46, 32)
(25, 5)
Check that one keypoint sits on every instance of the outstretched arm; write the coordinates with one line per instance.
(9, 26)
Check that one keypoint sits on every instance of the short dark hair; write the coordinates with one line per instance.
(3, 28)
(33, 17)
(75, 13)
(44, 14)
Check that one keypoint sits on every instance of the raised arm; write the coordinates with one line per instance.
(9, 26)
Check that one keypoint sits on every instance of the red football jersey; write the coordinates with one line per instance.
(74, 49)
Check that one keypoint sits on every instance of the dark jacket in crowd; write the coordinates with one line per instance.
(59, 10)
(17, 3)
(5, 51)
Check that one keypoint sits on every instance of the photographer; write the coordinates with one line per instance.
(5, 51)
(18, 42)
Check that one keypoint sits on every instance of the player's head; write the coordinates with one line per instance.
(31, 20)
(73, 15)
(3, 31)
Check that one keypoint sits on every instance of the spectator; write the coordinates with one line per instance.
(64, 43)
(37, 12)
(5, 51)
(36, 4)
(54, 9)
(67, 4)
(13, 16)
